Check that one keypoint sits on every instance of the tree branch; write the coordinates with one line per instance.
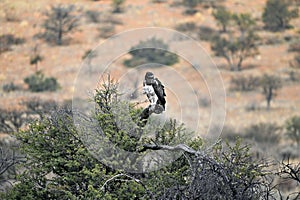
(179, 147)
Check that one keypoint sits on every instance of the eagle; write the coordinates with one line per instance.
(155, 92)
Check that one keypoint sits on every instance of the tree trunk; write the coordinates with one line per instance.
(269, 98)
(224, 29)
(59, 34)
(239, 65)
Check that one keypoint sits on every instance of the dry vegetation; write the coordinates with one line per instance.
(24, 21)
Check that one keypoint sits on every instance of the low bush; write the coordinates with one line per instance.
(39, 83)
(266, 133)
(7, 40)
(151, 51)
(9, 87)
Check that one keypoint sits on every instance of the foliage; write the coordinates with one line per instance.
(117, 5)
(60, 21)
(294, 46)
(295, 63)
(276, 15)
(206, 33)
(244, 83)
(239, 45)
(7, 40)
(39, 83)
(35, 58)
(293, 129)
(9, 87)
(106, 30)
(223, 174)
(151, 51)
(223, 17)
(186, 26)
(60, 166)
(264, 133)
(270, 84)
(191, 4)
(93, 16)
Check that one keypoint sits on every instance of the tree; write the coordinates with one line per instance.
(35, 58)
(276, 15)
(60, 21)
(293, 129)
(117, 5)
(270, 84)
(59, 165)
(89, 55)
(151, 51)
(223, 17)
(239, 45)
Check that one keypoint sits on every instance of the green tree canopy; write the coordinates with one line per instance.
(277, 15)
(239, 44)
(223, 17)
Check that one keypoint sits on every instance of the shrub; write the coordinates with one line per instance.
(117, 5)
(264, 133)
(293, 129)
(93, 16)
(7, 40)
(295, 63)
(39, 83)
(295, 46)
(9, 87)
(243, 83)
(106, 30)
(186, 27)
(151, 51)
(206, 33)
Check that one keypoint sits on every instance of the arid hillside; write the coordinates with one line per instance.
(23, 24)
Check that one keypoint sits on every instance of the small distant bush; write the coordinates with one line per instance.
(293, 129)
(206, 33)
(39, 83)
(159, 1)
(93, 16)
(9, 87)
(266, 133)
(186, 27)
(106, 30)
(290, 151)
(295, 46)
(7, 40)
(151, 51)
(295, 63)
(117, 5)
(244, 83)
